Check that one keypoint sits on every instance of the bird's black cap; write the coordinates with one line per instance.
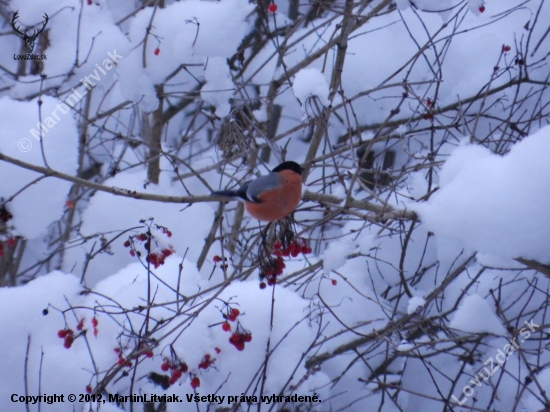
(289, 165)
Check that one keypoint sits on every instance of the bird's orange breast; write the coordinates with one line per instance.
(279, 202)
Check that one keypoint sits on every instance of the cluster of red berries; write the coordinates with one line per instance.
(68, 336)
(149, 352)
(176, 368)
(273, 268)
(207, 361)
(157, 259)
(154, 258)
(10, 242)
(238, 339)
(231, 315)
(121, 360)
(294, 248)
(94, 324)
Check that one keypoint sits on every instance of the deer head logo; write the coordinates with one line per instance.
(29, 40)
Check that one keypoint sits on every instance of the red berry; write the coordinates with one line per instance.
(235, 312)
(239, 346)
(334, 282)
(272, 7)
(236, 337)
(195, 382)
(68, 341)
(142, 237)
(277, 245)
(94, 322)
(262, 285)
(226, 327)
(132, 253)
(11, 242)
(127, 243)
(95, 332)
(183, 367)
(429, 102)
(217, 259)
(89, 2)
(62, 333)
(307, 250)
(172, 381)
(157, 51)
(88, 389)
(506, 48)
(165, 366)
(218, 350)
(80, 324)
(149, 354)
(121, 361)
(176, 374)
(168, 233)
(247, 337)
(117, 350)
(481, 9)
(294, 253)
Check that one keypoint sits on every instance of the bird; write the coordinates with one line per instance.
(273, 196)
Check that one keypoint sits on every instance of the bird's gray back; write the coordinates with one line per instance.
(261, 184)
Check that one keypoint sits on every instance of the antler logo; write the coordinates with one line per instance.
(29, 40)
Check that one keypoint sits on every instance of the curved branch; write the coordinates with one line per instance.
(384, 211)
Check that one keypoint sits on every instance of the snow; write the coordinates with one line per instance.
(42, 202)
(203, 29)
(113, 213)
(496, 205)
(475, 315)
(310, 82)
(290, 336)
(335, 256)
(219, 87)
(405, 346)
(414, 303)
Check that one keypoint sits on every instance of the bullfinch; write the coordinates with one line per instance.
(273, 196)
